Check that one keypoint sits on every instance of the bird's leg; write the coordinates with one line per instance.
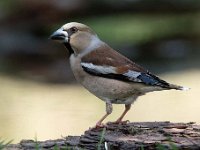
(108, 112)
(127, 108)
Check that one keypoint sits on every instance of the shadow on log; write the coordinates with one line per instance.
(131, 136)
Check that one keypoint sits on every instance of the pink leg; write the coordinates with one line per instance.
(108, 112)
(127, 108)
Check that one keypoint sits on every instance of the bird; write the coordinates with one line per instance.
(104, 72)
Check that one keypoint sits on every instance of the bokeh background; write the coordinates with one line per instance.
(39, 98)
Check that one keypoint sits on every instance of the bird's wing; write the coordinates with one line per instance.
(107, 63)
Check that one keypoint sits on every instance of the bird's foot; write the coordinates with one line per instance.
(122, 122)
(98, 126)
(119, 122)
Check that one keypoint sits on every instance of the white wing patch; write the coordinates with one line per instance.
(100, 69)
(133, 75)
(130, 74)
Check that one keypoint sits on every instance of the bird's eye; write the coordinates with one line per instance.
(73, 29)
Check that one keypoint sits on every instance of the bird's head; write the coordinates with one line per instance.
(76, 37)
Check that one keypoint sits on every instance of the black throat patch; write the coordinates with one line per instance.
(68, 46)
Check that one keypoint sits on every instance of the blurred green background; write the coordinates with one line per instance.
(38, 94)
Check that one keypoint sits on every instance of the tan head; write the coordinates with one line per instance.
(77, 37)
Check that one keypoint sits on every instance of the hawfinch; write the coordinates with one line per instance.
(104, 72)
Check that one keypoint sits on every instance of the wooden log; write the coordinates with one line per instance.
(130, 136)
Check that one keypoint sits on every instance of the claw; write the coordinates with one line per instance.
(98, 126)
(119, 122)
(122, 122)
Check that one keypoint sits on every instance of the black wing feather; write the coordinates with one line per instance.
(145, 78)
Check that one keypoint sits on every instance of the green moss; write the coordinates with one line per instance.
(3, 144)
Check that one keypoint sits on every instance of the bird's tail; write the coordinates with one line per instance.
(177, 87)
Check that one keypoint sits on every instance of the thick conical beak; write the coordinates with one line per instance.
(60, 35)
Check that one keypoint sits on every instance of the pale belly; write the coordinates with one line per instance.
(111, 90)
